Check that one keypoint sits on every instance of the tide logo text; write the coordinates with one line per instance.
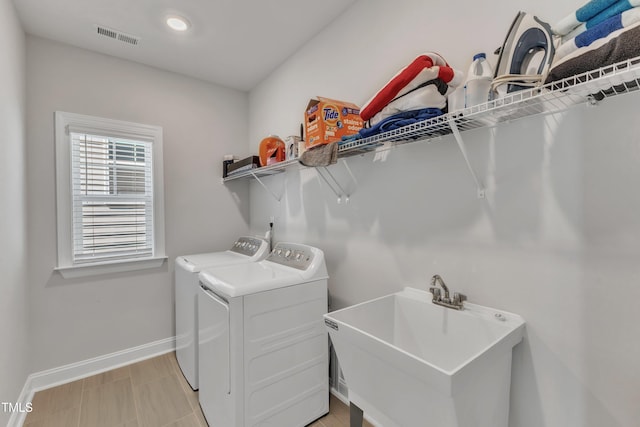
(330, 114)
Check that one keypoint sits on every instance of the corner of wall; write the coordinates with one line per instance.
(14, 304)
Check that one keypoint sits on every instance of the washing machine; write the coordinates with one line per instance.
(263, 344)
(244, 250)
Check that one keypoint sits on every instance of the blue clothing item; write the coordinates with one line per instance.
(626, 19)
(349, 138)
(601, 30)
(399, 120)
(582, 15)
(615, 9)
(592, 8)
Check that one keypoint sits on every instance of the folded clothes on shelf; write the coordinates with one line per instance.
(397, 121)
(424, 83)
(615, 9)
(618, 46)
(430, 94)
(581, 15)
(599, 31)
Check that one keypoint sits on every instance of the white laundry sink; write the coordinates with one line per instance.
(409, 362)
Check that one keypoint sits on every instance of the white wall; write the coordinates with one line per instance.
(556, 240)
(73, 320)
(14, 320)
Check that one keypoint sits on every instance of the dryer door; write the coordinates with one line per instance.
(215, 372)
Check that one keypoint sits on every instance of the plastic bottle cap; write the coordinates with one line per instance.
(479, 55)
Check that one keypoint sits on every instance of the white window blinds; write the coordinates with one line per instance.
(112, 198)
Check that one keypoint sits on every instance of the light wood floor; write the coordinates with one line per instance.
(151, 393)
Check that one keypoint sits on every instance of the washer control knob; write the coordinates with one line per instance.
(287, 253)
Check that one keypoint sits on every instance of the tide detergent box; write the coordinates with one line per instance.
(327, 120)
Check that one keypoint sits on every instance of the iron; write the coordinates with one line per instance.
(525, 56)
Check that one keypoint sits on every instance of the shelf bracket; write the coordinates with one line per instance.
(463, 149)
(333, 183)
(257, 178)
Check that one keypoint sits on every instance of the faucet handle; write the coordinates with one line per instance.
(436, 293)
(458, 298)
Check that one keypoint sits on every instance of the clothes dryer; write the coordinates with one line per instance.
(244, 250)
(263, 344)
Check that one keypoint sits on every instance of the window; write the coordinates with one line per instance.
(109, 195)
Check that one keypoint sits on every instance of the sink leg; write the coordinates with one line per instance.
(355, 415)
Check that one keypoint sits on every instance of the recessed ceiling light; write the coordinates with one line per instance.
(178, 23)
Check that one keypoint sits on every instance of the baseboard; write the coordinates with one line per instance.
(344, 399)
(86, 368)
(341, 397)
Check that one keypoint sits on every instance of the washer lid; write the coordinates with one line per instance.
(196, 262)
(244, 250)
(238, 280)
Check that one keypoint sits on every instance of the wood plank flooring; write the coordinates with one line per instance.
(151, 393)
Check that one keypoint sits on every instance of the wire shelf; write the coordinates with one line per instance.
(262, 171)
(591, 86)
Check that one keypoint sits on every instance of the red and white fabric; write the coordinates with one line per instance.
(397, 96)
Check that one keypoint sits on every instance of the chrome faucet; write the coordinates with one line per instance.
(445, 300)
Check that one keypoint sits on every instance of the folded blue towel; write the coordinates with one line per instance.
(615, 9)
(581, 15)
(617, 46)
(599, 31)
(399, 120)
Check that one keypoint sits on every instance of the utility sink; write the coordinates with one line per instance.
(408, 362)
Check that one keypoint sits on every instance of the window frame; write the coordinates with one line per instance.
(64, 122)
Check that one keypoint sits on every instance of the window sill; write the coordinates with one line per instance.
(86, 270)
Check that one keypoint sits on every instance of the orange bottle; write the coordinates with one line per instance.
(272, 150)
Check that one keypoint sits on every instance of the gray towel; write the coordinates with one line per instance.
(320, 155)
(618, 46)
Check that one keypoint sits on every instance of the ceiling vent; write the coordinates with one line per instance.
(117, 35)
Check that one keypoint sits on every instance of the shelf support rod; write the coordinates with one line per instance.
(463, 149)
(331, 184)
(257, 178)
